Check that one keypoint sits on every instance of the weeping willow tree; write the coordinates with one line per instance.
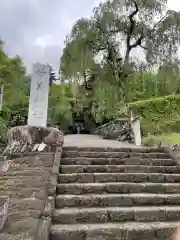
(107, 40)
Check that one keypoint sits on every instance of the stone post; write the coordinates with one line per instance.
(136, 128)
(35, 136)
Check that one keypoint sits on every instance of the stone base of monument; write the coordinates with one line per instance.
(4, 201)
(26, 139)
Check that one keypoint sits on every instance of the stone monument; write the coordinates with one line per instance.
(35, 136)
(38, 102)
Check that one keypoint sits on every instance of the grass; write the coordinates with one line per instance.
(151, 140)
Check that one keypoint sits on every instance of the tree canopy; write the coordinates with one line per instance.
(14, 78)
(123, 51)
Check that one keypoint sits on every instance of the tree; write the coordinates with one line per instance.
(109, 36)
(59, 111)
(53, 77)
(16, 84)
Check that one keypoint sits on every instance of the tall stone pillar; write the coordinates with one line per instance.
(38, 102)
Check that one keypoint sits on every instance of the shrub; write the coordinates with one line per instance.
(158, 115)
(151, 140)
(3, 131)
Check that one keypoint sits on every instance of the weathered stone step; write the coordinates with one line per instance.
(118, 168)
(118, 177)
(108, 149)
(114, 154)
(115, 231)
(116, 214)
(118, 187)
(97, 200)
(116, 161)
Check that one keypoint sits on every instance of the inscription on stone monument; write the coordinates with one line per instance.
(38, 102)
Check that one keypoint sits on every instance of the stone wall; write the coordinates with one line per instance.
(172, 149)
(30, 183)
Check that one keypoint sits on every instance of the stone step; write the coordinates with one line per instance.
(118, 187)
(116, 214)
(114, 154)
(116, 161)
(97, 200)
(118, 177)
(115, 231)
(118, 168)
(108, 149)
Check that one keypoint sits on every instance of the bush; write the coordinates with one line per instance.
(151, 140)
(5, 114)
(3, 131)
(158, 115)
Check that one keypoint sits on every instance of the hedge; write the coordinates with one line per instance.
(158, 115)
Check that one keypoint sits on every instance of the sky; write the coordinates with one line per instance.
(36, 29)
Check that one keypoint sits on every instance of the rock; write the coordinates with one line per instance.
(28, 138)
(55, 137)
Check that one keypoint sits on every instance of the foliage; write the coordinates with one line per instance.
(16, 84)
(59, 106)
(3, 131)
(11, 69)
(99, 74)
(15, 81)
(99, 50)
(159, 115)
(145, 85)
(151, 140)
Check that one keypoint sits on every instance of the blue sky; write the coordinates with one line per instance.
(36, 29)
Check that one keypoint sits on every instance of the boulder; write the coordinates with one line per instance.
(28, 138)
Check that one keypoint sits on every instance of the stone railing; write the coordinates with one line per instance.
(113, 126)
(122, 129)
(28, 183)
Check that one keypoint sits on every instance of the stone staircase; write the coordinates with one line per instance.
(110, 194)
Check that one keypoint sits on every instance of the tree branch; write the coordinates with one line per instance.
(111, 52)
(138, 42)
(132, 25)
(155, 25)
(100, 49)
(130, 32)
(143, 47)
